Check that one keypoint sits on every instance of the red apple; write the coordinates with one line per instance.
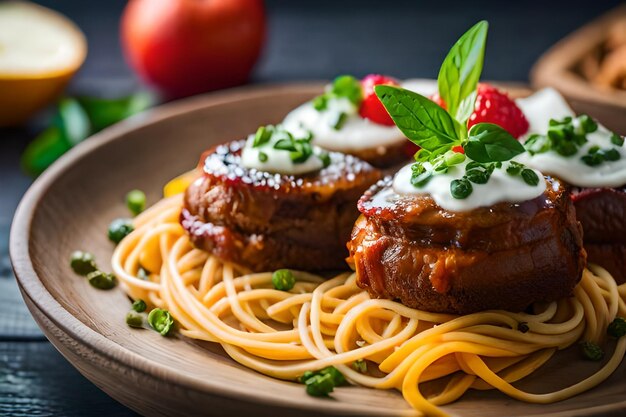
(184, 47)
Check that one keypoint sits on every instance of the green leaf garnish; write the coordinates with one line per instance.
(460, 72)
(423, 122)
(348, 87)
(263, 135)
(344, 86)
(74, 121)
(490, 143)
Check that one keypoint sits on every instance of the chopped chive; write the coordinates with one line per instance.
(530, 177)
(101, 280)
(134, 319)
(338, 122)
(617, 328)
(262, 157)
(460, 188)
(82, 262)
(591, 351)
(119, 229)
(139, 305)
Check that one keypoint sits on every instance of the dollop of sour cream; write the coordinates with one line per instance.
(548, 104)
(501, 187)
(278, 161)
(357, 133)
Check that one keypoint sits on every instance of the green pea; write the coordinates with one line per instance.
(139, 305)
(283, 279)
(161, 321)
(119, 229)
(134, 319)
(101, 280)
(319, 385)
(136, 201)
(83, 262)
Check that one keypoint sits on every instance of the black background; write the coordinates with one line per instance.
(306, 40)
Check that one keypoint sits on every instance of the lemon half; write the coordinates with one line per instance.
(40, 50)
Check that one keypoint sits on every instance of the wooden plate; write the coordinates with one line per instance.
(69, 208)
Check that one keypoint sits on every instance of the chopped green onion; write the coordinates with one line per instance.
(587, 124)
(460, 188)
(82, 262)
(339, 120)
(477, 176)
(136, 201)
(263, 135)
(319, 385)
(325, 158)
(161, 321)
(617, 328)
(611, 154)
(360, 366)
(530, 177)
(591, 351)
(283, 279)
(119, 229)
(101, 280)
(262, 157)
(617, 140)
(320, 103)
(134, 319)
(139, 305)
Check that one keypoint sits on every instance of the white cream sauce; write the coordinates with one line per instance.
(501, 187)
(549, 104)
(278, 161)
(357, 133)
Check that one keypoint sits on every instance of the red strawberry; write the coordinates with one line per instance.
(371, 107)
(494, 106)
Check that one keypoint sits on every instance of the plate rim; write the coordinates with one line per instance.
(32, 287)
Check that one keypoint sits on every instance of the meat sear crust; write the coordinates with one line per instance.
(269, 221)
(506, 256)
(602, 213)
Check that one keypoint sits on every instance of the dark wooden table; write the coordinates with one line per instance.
(307, 40)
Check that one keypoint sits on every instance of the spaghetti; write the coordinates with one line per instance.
(323, 322)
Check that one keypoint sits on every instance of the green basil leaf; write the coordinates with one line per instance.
(422, 121)
(105, 112)
(490, 143)
(46, 148)
(460, 72)
(72, 118)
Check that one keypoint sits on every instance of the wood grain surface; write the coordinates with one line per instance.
(69, 208)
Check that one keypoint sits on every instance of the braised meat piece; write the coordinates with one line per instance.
(506, 256)
(269, 221)
(602, 213)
